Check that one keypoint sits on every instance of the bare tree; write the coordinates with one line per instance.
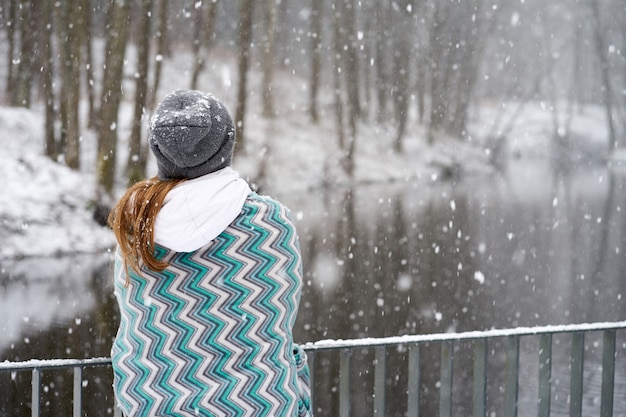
(383, 47)
(88, 60)
(422, 63)
(573, 97)
(161, 43)
(338, 76)
(316, 65)
(69, 34)
(607, 90)
(403, 34)
(351, 58)
(137, 156)
(559, 128)
(346, 80)
(245, 38)
(283, 38)
(350, 71)
(269, 18)
(478, 24)
(26, 59)
(117, 36)
(68, 22)
(457, 39)
(204, 30)
(622, 76)
(368, 52)
(47, 80)
(12, 34)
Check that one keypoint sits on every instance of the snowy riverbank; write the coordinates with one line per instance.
(45, 208)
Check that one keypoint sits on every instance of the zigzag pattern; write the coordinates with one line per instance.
(212, 334)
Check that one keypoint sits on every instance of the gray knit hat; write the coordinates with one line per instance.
(191, 134)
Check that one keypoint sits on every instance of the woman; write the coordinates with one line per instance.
(208, 280)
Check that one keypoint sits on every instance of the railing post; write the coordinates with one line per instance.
(380, 371)
(413, 400)
(445, 389)
(608, 373)
(311, 360)
(78, 391)
(35, 389)
(480, 378)
(512, 376)
(344, 382)
(545, 375)
(576, 378)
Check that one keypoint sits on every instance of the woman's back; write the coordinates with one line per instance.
(211, 335)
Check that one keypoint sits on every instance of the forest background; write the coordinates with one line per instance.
(426, 66)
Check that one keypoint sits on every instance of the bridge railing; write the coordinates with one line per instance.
(412, 344)
(480, 342)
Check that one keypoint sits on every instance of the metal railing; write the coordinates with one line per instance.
(36, 367)
(480, 360)
(413, 343)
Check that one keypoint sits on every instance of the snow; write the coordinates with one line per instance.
(52, 363)
(479, 276)
(45, 207)
(440, 337)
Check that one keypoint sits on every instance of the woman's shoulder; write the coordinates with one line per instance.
(264, 201)
(267, 204)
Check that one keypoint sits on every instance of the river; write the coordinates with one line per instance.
(523, 248)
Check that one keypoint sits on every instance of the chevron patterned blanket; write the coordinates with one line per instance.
(212, 334)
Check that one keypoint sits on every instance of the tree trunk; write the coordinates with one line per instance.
(26, 58)
(421, 61)
(456, 44)
(438, 56)
(70, 89)
(117, 36)
(283, 36)
(245, 38)
(351, 62)
(474, 33)
(47, 79)
(204, 29)
(607, 89)
(160, 52)
(268, 58)
(89, 73)
(368, 57)
(137, 155)
(403, 29)
(551, 85)
(12, 32)
(382, 58)
(338, 76)
(316, 50)
(347, 41)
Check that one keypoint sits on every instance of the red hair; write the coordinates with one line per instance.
(132, 220)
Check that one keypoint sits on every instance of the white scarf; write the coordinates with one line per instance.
(196, 211)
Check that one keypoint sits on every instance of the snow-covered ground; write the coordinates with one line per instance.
(45, 208)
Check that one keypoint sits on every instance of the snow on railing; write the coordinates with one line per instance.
(480, 334)
(479, 396)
